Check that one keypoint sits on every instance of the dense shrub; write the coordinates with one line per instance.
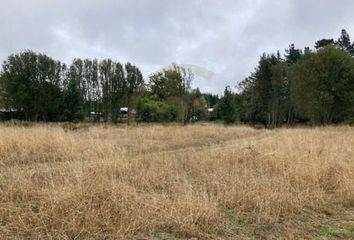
(150, 110)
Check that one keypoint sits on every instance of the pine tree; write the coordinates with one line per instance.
(227, 107)
(72, 103)
(134, 80)
(345, 43)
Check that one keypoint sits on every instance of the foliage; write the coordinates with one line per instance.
(199, 108)
(303, 86)
(72, 102)
(134, 82)
(174, 84)
(39, 88)
(31, 83)
(228, 107)
(313, 86)
(150, 110)
(323, 86)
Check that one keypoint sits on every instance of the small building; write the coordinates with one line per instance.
(123, 110)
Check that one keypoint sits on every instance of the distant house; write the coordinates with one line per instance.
(123, 110)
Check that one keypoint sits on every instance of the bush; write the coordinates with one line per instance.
(150, 110)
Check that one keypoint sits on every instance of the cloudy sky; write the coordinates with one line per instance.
(224, 36)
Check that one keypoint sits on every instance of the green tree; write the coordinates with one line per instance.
(134, 81)
(91, 91)
(324, 42)
(322, 86)
(152, 110)
(106, 77)
(118, 91)
(19, 77)
(279, 101)
(31, 84)
(72, 103)
(345, 43)
(174, 83)
(264, 96)
(292, 54)
(228, 107)
(263, 89)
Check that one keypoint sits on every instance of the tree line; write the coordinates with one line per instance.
(310, 85)
(35, 87)
(313, 86)
(39, 88)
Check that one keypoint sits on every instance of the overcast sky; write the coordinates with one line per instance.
(224, 36)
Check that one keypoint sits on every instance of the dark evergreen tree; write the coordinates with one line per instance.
(324, 42)
(72, 103)
(134, 81)
(344, 41)
(292, 54)
(118, 91)
(228, 107)
(106, 77)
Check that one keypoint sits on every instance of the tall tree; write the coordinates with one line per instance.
(31, 84)
(228, 107)
(118, 91)
(344, 42)
(106, 76)
(292, 54)
(173, 83)
(48, 91)
(20, 73)
(73, 102)
(91, 89)
(264, 96)
(263, 89)
(279, 97)
(322, 86)
(134, 81)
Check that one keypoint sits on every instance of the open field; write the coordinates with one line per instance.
(166, 182)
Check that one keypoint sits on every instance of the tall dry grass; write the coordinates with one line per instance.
(168, 181)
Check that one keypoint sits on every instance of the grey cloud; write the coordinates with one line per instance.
(224, 36)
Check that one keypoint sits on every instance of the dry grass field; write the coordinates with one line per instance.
(173, 182)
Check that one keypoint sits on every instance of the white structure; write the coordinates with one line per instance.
(123, 110)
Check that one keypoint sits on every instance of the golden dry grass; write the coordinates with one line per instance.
(163, 182)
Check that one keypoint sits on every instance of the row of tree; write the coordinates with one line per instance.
(36, 87)
(310, 85)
